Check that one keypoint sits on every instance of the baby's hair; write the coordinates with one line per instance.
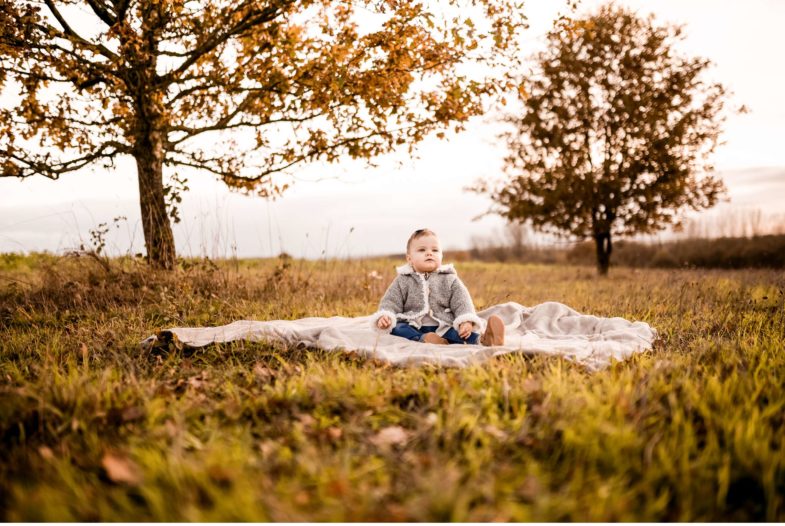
(418, 234)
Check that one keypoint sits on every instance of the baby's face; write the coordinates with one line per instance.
(425, 254)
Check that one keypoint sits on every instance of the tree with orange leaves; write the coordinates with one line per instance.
(243, 89)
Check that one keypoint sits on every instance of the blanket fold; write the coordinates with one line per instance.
(550, 328)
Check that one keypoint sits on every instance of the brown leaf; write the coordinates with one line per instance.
(85, 352)
(495, 432)
(334, 432)
(220, 475)
(171, 428)
(306, 420)
(531, 385)
(267, 447)
(263, 373)
(130, 414)
(121, 469)
(302, 498)
(389, 436)
(338, 488)
(46, 453)
(199, 380)
(529, 489)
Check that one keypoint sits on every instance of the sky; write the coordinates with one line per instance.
(351, 210)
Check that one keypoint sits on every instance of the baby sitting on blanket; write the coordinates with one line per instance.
(427, 302)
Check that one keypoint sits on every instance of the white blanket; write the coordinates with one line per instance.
(549, 328)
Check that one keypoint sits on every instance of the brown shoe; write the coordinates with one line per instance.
(432, 337)
(494, 332)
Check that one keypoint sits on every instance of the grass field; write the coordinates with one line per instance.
(94, 429)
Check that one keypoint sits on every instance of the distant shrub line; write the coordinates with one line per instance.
(728, 252)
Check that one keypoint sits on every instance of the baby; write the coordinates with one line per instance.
(427, 302)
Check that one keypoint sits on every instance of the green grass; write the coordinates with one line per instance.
(692, 431)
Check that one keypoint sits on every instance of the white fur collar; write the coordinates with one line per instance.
(407, 269)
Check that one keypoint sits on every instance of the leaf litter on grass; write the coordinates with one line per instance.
(692, 431)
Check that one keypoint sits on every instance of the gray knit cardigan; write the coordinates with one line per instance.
(440, 294)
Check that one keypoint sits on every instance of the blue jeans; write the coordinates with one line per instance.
(404, 330)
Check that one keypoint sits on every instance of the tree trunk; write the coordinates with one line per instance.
(158, 237)
(604, 249)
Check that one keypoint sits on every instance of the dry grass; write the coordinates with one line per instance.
(94, 429)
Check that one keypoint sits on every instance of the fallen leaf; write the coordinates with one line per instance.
(220, 475)
(531, 385)
(267, 447)
(132, 413)
(337, 488)
(495, 432)
(121, 469)
(46, 453)
(199, 380)
(85, 352)
(530, 489)
(263, 373)
(389, 436)
(334, 433)
(306, 420)
(302, 498)
(171, 429)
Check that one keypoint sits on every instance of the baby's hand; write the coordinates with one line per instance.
(384, 322)
(465, 329)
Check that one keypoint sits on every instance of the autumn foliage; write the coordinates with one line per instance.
(243, 90)
(614, 135)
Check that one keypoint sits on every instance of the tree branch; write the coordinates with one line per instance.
(199, 166)
(42, 166)
(266, 15)
(102, 12)
(299, 159)
(193, 132)
(121, 6)
(39, 76)
(73, 34)
(70, 120)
